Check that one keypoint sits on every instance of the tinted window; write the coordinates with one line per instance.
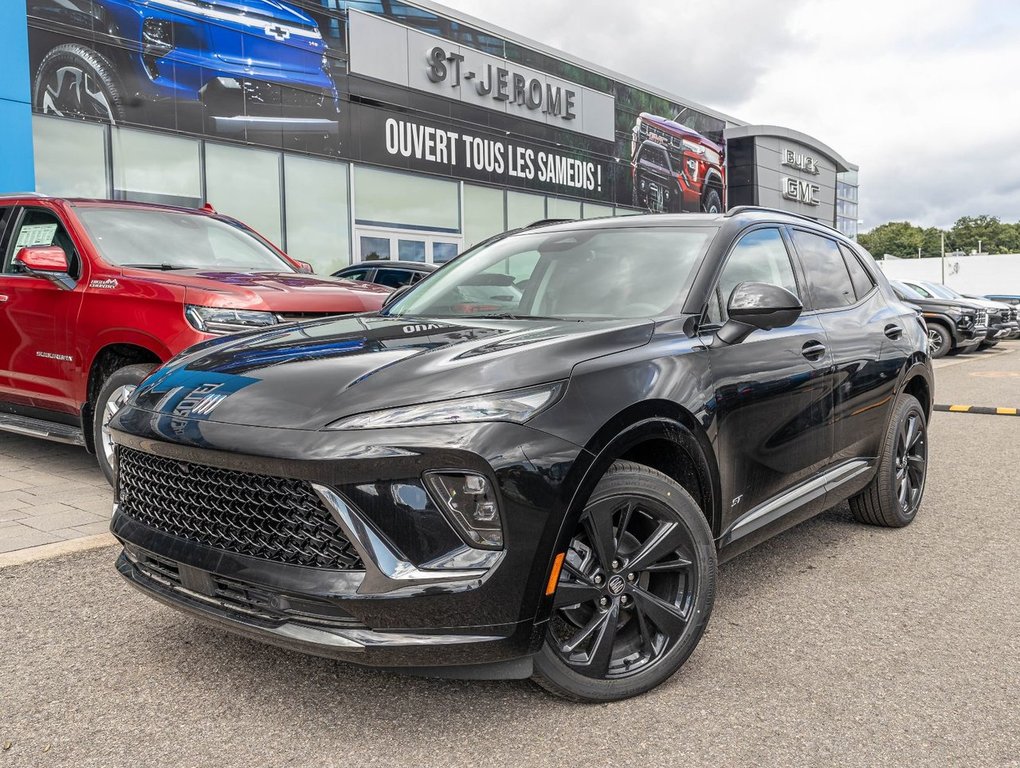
(825, 270)
(353, 274)
(394, 278)
(858, 274)
(759, 257)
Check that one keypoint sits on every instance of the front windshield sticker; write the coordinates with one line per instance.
(36, 234)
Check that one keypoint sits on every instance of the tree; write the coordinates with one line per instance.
(897, 238)
(987, 231)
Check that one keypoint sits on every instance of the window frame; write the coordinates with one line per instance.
(850, 253)
(795, 265)
(810, 295)
(8, 241)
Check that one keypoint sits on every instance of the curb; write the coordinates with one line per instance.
(984, 410)
(56, 549)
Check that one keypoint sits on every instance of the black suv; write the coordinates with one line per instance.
(953, 326)
(541, 491)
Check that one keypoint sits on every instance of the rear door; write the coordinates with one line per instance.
(865, 337)
(37, 318)
(773, 398)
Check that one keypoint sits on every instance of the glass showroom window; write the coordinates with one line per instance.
(154, 168)
(245, 183)
(386, 199)
(70, 157)
(596, 211)
(563, 209)
(483, 214)
(318, 212)
(523, 209)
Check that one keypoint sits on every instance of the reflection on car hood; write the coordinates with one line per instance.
(272, 291)
(307, 375)
(270, 10)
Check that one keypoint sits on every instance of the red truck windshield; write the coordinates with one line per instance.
(156, 239)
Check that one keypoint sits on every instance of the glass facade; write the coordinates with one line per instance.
(313, 208)
(847, 203)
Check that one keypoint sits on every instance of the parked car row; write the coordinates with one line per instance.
(958, 323)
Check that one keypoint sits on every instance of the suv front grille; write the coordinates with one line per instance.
(271, 518)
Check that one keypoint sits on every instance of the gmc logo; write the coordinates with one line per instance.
(801, 191)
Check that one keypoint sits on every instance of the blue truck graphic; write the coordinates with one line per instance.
(255, 70)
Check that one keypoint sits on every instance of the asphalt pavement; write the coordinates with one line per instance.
(833, 644)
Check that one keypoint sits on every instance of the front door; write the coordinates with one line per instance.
(372, 244)
(773, 399)
(37, 317)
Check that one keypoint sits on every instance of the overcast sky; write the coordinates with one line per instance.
(924, 96)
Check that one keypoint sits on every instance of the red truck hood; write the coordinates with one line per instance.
(272, 291)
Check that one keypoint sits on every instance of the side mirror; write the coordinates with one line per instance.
(304, 267)
(758, 306)
(392, 298)
(47, 261)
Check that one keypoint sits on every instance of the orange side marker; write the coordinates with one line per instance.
(554, 574)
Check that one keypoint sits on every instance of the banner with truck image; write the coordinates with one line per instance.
(379, 82)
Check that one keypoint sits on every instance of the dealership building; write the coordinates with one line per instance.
(347, 131)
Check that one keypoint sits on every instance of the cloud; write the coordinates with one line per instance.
(920, 95)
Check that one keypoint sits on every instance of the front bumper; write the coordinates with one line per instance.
(405, 605)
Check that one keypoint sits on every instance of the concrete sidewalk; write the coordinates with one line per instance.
(49, 493)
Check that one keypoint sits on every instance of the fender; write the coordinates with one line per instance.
(631, 427)
(112, 336)
(713, 177)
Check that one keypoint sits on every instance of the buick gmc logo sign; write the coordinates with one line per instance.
(501, 83)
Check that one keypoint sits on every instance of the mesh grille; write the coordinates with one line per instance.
(271, 518)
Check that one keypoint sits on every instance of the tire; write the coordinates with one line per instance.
(987, 344)
(940, 341)
(114, 393)
(100, 95)
(711, 203)
(644, 617)
(882, 502)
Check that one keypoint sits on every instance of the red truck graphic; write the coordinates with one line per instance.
(674, 169)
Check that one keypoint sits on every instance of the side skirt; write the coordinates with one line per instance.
(41, 428)
(789, 501)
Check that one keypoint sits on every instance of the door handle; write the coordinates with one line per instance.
(813, 350)
(3, 297)
(893, 331)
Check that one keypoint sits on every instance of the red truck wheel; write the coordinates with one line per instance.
(115, 392)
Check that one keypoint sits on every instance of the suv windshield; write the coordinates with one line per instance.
(579, 275)
(943, 291)
(157, 239)
(906, 290)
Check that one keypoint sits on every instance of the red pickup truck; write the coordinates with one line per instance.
(95, 294)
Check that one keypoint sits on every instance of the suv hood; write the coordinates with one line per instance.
(307, 375)
(286, 292)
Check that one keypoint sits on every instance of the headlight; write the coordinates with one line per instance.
(516, 406)
(222, 321)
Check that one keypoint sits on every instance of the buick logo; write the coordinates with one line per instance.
(617, 585)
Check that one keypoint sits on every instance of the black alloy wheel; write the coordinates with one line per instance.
(635, 591)
(911, 462)
(894, 495)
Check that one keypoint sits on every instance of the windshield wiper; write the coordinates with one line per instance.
(164, 267)
(512, 316)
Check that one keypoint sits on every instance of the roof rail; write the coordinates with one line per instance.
(763, 209)
(546, 222)
(8, 195)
